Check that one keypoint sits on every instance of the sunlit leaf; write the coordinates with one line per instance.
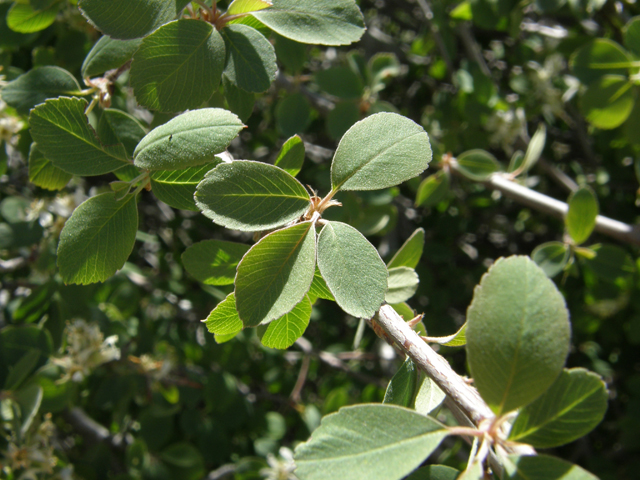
(410, 252)
(291, 156)
(551, 257)
(284, 331)
(224, 319)
(582, 213)
(403, 284)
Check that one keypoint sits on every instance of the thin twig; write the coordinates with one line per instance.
(607, 226)
(302, 377)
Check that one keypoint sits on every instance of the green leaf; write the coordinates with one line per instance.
(610, 263)
(582, 213)
(64, 136)
(107, 54)
(97, 239)
(534, 149)
(188, 140)
(329, 22)
(631, 34)
(402, 284)
(126, 19)
(382, 67)
(458, 339)
(224, 319)
(291, 54)
(340, 82)
(251, 59)
(477, 165)
(291, 156)
(319, 287)
(283, 332)
(179, 66)
(29, 398)
(517, 334)
(343, 116)
(8, 38)
(368, 442)
(246, 6)
(551, 257)
(37, 85)
(275, 274)
(33, 307)
(428, 395)
(176, 188)
(433, 189)
(404, 310)
(402, 387)
(570, 409)
(116, 126)
(293, 114)
(240, 102)
(435, 472)
(608, 101)
(380, 151)
(352, 268)
(214, 262)
(410, 252)
(251, 196)
(43, 173)
(23, 18)
(542, 467)
(597, 58)
(22, 369)
(17, 341)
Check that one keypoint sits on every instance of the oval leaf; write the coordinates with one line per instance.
(283, 332)
(597, 58)
(162, 72)
(224, 319)
(126, 19)
(551, 257)
(608, 101)
(64, 136)
(246, 6)
(97, 239)
(107, 54)
(428, 395)
(380, 151)
(291, 156)
(251, 59)
(610, 263)
(433, 190)
(37, 85)
(477, 165)
(340, 82)
(23, 18)
(177, 187)
(43, 173)
(332, 22)
(275, 274)
(251, 196)
(352, 268)
(571, 408)
(188, 140)
(582, 214)
(410, 252)
(542, 467)
(402, 284)
(534, 149)
(293, 114)
(402, 386)
(517, 334)
(368, 442)
(214, 262)
(631, 32)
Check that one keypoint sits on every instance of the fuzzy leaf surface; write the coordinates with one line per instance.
(187, 140)
(352, 268)
(571, 408)
(251, 196)
(275, 274)
(179, 66)
(64, 136)
(517, 334)
(127, 19)
(214, 262)
(368, 442)
(317, 22)
(251, 59)
(97, 239)
(380, 151)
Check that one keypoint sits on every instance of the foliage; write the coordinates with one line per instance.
(149, 194)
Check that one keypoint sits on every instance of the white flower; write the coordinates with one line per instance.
(281, 467)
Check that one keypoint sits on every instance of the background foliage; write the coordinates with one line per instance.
(131, 353)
